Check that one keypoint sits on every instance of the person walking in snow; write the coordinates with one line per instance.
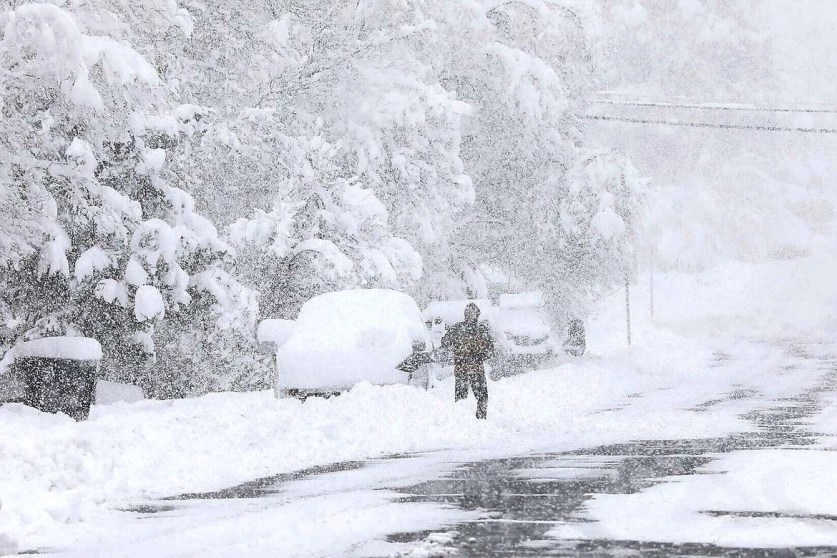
(471, 345)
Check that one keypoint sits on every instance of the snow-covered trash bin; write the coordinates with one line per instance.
(59, 373)
(347, 337)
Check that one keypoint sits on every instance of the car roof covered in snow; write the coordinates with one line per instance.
(532, 299)
(345, 337)
(70, 348)
(453, 311)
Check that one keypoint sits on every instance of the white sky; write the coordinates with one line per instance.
(805, 48)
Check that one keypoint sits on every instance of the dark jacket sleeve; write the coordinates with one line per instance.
(488, 349)
(449, 338)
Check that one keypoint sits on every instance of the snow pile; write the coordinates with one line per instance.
(769, 498)
(433, 546)
(108, 393)
(346, 337)
(275, 331)
(70, 348)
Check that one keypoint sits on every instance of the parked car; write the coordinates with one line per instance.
(340, 339)
(523, 323)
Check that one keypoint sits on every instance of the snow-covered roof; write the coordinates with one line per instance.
(523, 321)
(71, 348)
(532, 299)
(275, 331)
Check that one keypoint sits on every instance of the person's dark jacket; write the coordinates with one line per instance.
(471, 344)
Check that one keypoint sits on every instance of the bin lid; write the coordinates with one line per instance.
(69, 348)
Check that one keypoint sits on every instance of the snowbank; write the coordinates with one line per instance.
(770, 498)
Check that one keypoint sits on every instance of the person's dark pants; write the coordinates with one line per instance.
(478, 386)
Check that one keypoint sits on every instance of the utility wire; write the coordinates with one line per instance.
(710, 125)
(713, 107)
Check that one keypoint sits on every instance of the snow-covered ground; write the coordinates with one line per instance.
(62, 483)
(766, 498)
(56, 474)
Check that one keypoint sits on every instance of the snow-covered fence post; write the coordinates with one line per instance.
(628, 305)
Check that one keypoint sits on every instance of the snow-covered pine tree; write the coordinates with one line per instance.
(88, 130)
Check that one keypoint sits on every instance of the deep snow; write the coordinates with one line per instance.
(60, 479)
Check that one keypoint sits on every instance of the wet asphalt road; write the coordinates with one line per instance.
(521, 498)
(522, 507)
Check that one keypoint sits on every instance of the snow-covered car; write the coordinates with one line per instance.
(347, 337)
(522, 321)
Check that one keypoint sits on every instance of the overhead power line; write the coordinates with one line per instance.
(711, 125)
(713, 107)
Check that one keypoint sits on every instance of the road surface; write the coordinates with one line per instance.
(506, 506)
